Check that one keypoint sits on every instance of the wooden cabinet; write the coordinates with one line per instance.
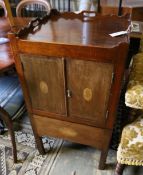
(71, 72)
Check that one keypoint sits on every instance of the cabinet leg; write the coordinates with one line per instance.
(102, 161)
(119, 169)
(39, 143)
(38, 139)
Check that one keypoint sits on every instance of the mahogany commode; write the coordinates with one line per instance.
(71, 72)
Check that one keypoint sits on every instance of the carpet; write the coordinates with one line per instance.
(62, 158)
(29, 160)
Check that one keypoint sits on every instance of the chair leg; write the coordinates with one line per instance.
(6, 118)
(119, 169)
(14, 150)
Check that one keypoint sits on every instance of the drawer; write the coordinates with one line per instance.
(79, 133)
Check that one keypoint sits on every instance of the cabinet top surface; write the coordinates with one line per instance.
(86, 28)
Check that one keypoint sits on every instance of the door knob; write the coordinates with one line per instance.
(69, 93)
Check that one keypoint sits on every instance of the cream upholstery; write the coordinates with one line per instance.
(134, 93)
(130, 150)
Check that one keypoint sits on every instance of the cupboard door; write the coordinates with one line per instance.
(45, 82)
(89, 84)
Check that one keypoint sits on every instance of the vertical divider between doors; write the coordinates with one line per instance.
(66, 85)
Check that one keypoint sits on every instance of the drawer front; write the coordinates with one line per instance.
(89, 83)
(45, 82)
(79, 133)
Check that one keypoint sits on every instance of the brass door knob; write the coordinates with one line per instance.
(69, 93)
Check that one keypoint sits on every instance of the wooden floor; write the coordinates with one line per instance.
(76, 159)
(84, 161)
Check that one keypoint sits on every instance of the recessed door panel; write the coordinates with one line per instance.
(45, 81)
(89, 84)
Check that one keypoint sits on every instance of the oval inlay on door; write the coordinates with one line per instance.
(87, 94)
(44, 87)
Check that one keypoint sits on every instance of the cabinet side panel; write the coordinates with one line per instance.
(45, 81)
(90, 84)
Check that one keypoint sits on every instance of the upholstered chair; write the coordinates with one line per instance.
(130, 150)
